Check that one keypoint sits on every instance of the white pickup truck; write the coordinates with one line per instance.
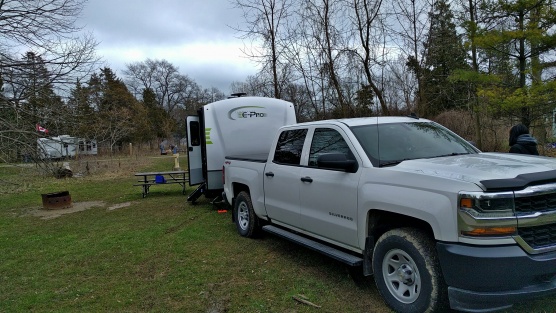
(437, 222)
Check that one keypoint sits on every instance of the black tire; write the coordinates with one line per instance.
(247, 223)
(407, 272)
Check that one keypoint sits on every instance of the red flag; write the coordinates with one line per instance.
(41, 129)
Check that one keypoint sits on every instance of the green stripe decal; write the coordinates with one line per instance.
(207, 136)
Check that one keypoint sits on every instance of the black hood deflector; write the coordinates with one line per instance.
(520, 181)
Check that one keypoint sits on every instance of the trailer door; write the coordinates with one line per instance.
(194, 154)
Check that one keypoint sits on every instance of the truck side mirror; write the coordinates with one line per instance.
(337, 161)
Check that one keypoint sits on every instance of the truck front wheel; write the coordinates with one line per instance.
(407, 272)
(248, 224)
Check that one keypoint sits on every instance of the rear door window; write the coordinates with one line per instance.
(290, 146)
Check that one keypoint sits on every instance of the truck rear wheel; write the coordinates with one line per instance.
(247, 223)
(407, 272)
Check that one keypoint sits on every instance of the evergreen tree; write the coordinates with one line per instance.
(42, 105)
(120, 117)
(445, 54)
(524, 36)
(160, 122)
(84, 115)
(364, 102)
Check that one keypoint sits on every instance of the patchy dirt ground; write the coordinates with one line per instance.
(76, 207)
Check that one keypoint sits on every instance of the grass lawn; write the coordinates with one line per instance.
(157, 254)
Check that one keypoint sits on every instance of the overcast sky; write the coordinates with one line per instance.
(194, 35)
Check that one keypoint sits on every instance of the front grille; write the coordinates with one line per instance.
(537, 203)
(538, 237)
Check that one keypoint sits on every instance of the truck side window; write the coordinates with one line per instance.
(326, 140)
(290, 146)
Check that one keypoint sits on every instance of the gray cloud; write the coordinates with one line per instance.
(193, 35)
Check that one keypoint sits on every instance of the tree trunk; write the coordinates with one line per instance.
(330, 63)
(475, 100)
(525, 116)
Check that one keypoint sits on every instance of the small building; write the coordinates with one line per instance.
(65, 146)
(88, 146)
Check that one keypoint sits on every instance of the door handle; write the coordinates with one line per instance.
(269, 174)
(306, 179)
(190, 148)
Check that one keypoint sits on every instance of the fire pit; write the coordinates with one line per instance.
(56, 200)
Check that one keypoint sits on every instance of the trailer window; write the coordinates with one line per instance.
(195, 133)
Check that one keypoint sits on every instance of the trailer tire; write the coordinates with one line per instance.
(407, 272)
(247, 223)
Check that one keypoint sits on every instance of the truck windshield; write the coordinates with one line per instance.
(389, 144)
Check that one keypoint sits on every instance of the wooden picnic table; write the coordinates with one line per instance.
(161, 178)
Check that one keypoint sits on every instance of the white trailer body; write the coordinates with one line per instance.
(69, 145)
(65, 146)
(57, 147)
(234, 126)
(49, 148)
(88, 147)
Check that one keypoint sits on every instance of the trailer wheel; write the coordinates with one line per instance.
(407, 272)
(248, 224)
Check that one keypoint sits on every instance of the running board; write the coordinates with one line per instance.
(334, 253)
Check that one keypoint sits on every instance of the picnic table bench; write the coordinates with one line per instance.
(161, 178)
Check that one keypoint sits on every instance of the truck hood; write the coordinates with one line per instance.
(474, 168)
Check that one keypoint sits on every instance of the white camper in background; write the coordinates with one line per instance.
(69, 145)
(59, 147)
(88, 147)
(65, 146)
(49, 148)
(235, 126)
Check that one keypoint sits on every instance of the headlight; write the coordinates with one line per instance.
(487, 215)
(483, 206)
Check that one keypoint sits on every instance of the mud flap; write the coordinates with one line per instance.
(368, 256)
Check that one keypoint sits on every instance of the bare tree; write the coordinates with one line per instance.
(399, 87)
(340, 50)
(171, 88)
(47, 31)
(326, 29)
(470, 20)
(305, 61)
(254, 85)
(316, 51)
(366, 16)
(410, 26)
(266, 20)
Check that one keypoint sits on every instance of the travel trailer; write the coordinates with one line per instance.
(235, 126)
(88, 147)
(65, 146)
